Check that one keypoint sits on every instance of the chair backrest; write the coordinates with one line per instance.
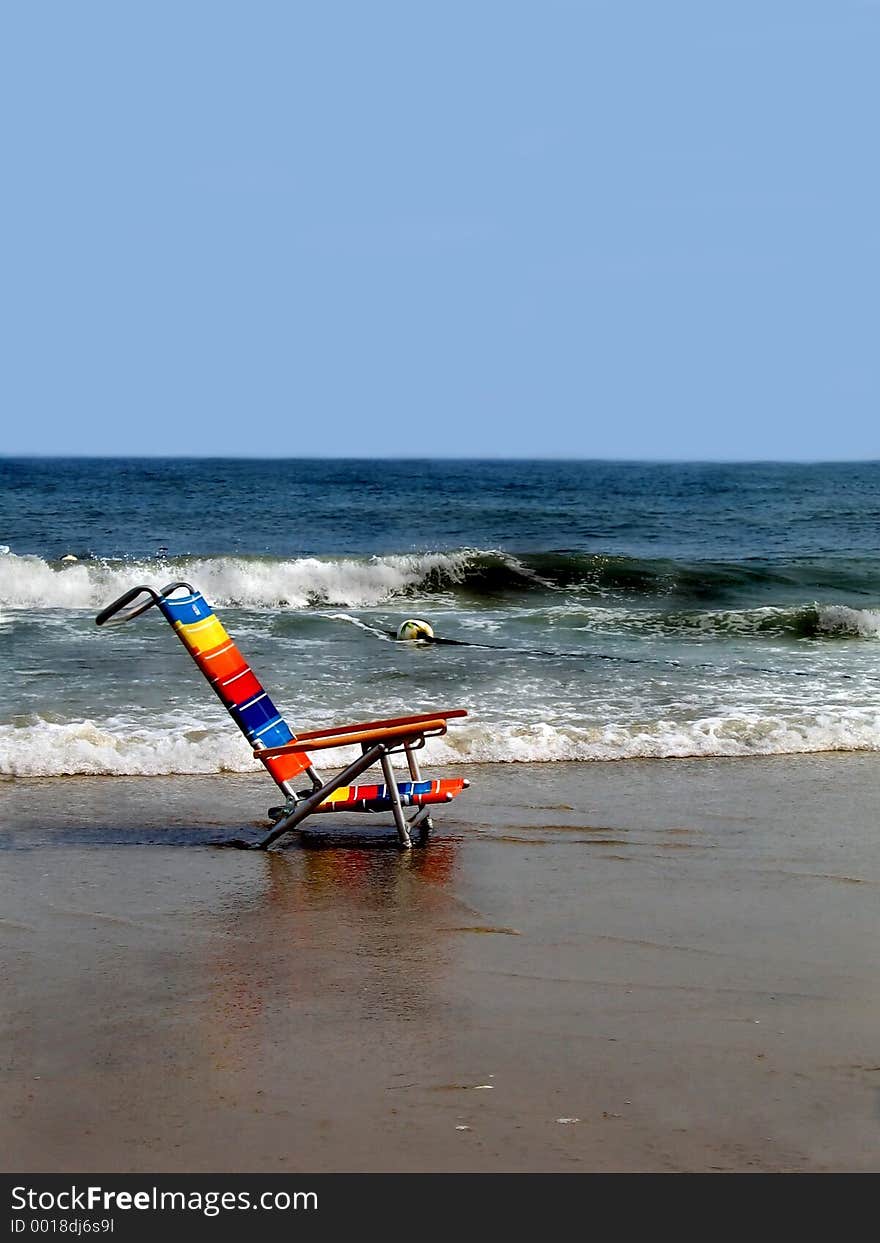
(234, 681)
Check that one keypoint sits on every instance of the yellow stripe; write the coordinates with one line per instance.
(338, 796)
(203, 636)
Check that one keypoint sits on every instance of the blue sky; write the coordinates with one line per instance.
(472, 229)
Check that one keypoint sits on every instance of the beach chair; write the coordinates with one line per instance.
(281, 751)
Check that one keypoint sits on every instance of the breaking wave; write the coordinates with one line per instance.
(808, 621)
(245, 582)
(838, 619)
(88, 748)
(733, 597)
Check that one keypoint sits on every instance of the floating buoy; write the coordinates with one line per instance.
(413, 628)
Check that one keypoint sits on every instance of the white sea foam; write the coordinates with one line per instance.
(838, 619)
(735, 735)
(356, 621)
(30, 582)
(87, 748)
(47, 749)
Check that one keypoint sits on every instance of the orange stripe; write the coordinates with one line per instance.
(221, 662)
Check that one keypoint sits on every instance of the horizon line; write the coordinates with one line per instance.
(250, 457)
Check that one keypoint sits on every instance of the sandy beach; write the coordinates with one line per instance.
(664, 965)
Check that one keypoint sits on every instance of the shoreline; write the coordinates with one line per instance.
(676, 953)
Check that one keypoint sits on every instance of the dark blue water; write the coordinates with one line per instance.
(118, 508)
(622, 608)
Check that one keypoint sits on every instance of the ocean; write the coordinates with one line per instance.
(605, 610)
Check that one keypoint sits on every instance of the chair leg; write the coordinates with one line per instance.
(396, 807)
(423, 819)
(306, 806)
(423, 823)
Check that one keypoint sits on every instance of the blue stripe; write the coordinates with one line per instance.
(406, 790)
(253, 716)
(278, 736)
(187, 609)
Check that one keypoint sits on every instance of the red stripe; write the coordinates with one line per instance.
(240, 687)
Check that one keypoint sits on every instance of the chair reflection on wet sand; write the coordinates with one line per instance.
(283, 752)
(320, 949)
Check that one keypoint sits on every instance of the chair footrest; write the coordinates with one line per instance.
(376, 798)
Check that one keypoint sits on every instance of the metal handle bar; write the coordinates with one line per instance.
(107, 615)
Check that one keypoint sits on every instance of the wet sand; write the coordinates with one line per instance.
(681, 956)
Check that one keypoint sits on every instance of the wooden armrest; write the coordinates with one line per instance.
(389, 722)
(433, 726)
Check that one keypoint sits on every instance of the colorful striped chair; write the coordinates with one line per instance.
(279, 749)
